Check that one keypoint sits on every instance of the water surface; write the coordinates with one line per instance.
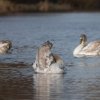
(27, 32)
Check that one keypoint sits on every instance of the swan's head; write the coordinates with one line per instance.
(83, 39)
(47, 45)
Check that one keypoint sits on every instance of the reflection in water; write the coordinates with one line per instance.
(14, 85)
(82, 89)
(48, 86)
(83, 80)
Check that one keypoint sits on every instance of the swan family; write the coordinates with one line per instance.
(48, 62)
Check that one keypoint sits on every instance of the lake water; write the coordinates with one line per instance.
(27, 32)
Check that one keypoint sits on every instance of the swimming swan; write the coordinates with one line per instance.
(5, 46)
(47, 62)
(87, 49)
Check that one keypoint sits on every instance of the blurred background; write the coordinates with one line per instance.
(19, 6)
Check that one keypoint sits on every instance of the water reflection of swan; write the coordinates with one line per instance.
(84, 49)
(47, 86)
(5, 46)
(47, 62)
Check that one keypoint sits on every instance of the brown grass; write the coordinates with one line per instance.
(7, 7)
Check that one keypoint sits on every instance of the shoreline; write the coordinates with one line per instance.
(39, 12)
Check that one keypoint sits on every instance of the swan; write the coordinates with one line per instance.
(5, 46)
(87, 49)
(46, 61)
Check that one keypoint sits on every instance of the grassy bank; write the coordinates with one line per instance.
(9, 7)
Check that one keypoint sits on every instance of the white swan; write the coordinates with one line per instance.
(47, 62)
(87, 49)
(5, 46)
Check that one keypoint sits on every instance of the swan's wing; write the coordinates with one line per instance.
(59, 61)
(92, 46)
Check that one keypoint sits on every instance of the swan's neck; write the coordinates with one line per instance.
(79, 48)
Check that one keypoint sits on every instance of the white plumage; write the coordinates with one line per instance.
(87, 49)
